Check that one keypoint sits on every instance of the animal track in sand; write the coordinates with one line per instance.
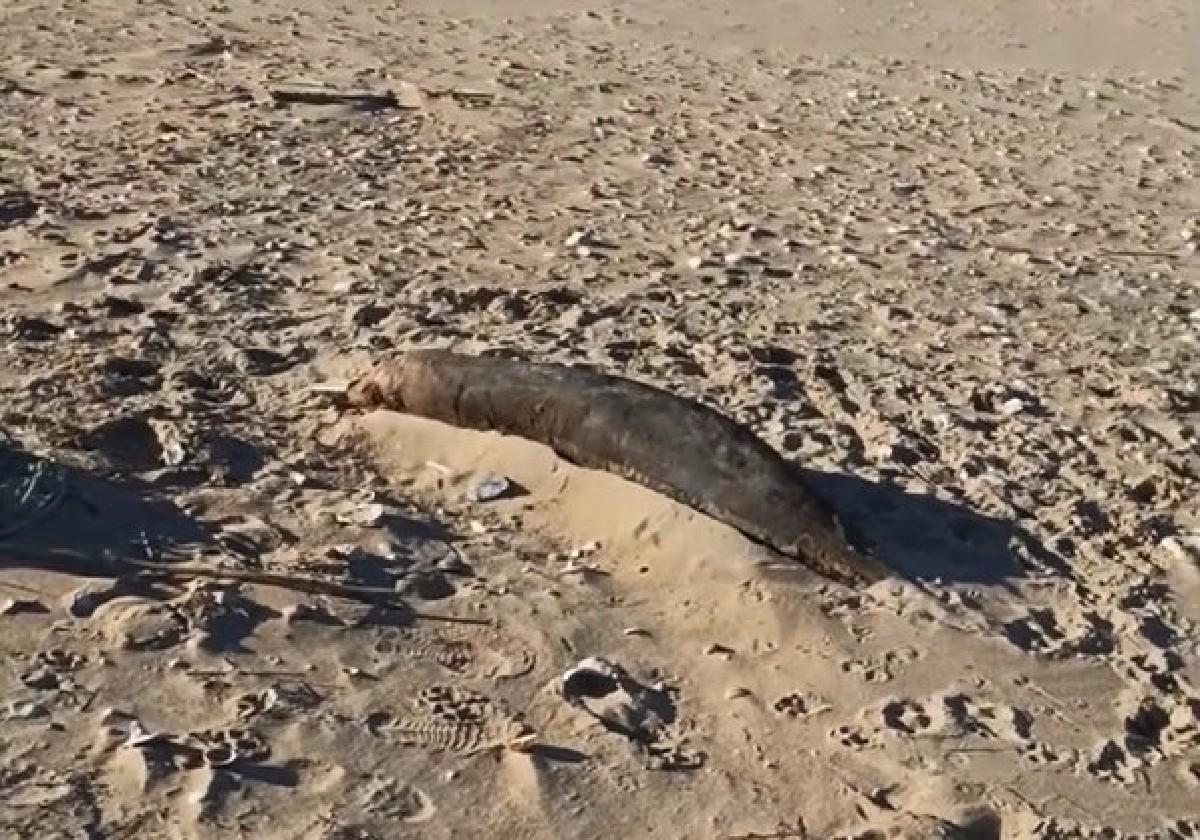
(906, 716)
(969, 717)
(801, 705)
(884, 669)
(852, 737)
(1044, 631)
(281, 700)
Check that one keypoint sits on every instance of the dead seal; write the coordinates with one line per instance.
(675, 446)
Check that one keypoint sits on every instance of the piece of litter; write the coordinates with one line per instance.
(635, 631)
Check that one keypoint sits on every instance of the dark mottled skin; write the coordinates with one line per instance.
(675, 446)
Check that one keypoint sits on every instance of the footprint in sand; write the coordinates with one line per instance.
(647, 715)
(454, 655)
(390, 799)
(458, 720)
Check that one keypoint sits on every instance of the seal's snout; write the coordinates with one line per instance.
(364, 393)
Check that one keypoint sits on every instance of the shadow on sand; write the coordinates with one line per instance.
(62, 519)
(926, 538)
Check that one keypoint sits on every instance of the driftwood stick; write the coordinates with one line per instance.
(1167, 255)
(190, 571)
(673, 445)
(318, 96)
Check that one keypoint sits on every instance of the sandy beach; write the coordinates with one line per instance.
(942, 256)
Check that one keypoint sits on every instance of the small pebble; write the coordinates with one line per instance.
(489, 486)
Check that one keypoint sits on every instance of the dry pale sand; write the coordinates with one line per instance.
(942, 254)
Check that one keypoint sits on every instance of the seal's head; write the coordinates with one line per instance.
(364, 393)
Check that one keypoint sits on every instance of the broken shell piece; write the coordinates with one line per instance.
(372, 515)
(222, 748)
(139, 736)
(1014, 406)
(454, 563)
(25, 710)
(589, 547)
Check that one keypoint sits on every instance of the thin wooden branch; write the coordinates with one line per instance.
(380, 596)
(318, 96)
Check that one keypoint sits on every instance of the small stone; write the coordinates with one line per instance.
(736, 692)
(715, 649)
(636, 631)
(489, 486)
